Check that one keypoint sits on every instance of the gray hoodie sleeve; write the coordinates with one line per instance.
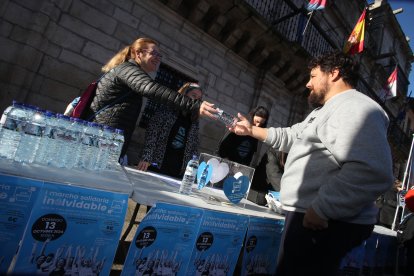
(283, 138)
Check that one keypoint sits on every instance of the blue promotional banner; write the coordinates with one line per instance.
(17, 196)
(164, 241)
(261, 246)
(72, 231)
(218, 244)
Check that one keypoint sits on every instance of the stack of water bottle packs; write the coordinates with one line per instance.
(29, 134)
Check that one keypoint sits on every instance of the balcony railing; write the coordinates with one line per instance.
(289, 19)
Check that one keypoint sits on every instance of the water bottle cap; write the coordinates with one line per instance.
(49, 113)
(67, 118)
(119, 131)
(99, 125)
(83, 122)
(30, 106)
(77, 120)
(19, 105)
(93, 124)
(195, 157)
(14, 102)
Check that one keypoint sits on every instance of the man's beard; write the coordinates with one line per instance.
(318, 99)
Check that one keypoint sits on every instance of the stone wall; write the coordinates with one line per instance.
(51, 50)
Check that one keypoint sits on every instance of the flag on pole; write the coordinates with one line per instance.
(390, 90)
(355, 43)
(313, 5)
(316, 5)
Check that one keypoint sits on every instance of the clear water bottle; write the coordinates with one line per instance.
(73, 135)
(226, 118)
(58, 146)
(89, 145)
(104, 144)
(83, 144)
(46, 140)
(31, 135)
(5, 113)
(116, 149)
(12, 123)
(189, 176)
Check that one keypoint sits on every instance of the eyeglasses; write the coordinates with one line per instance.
(153, 53)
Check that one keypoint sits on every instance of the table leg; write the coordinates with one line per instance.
(131, 222)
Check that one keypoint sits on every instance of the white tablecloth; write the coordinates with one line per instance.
(150, 188)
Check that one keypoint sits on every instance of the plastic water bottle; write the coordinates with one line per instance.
(89, 145)
(46, 139)
(5, 113)
(12, 123)
(73, 136)
(226, 118)
(31, 135)
(58, 147)
(115, 149)
(104, 144)
(189, 176)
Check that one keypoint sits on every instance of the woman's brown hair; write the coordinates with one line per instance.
(128, 52)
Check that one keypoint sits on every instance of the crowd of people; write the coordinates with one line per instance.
(330, 168)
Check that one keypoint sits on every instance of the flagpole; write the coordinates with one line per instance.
(307, 23)
(407, 169)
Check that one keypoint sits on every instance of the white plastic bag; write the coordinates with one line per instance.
(273, 202)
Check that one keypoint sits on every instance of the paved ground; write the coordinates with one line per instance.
(124, 245)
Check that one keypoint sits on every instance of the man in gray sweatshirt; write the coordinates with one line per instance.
(339, 162)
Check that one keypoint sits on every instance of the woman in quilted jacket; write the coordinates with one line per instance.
(119, 93)
(172, 138)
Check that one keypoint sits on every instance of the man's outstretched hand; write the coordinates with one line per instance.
(243, 127)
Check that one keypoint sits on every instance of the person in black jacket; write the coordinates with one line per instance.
(171, 139)
(388, 204)
(240, 149)
(267, 175)
(118, 98)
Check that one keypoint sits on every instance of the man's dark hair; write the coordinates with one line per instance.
(348, 68)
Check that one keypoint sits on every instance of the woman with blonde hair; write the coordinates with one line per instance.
(171, 138)
(119, 93)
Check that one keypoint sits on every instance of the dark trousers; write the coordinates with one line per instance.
(308, 252)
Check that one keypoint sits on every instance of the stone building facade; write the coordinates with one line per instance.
(243, 53)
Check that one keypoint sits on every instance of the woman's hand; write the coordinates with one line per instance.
(143, 165)
(208, 110)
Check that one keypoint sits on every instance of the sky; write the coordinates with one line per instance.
(407, 24)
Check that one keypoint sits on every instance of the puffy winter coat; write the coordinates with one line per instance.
(119, 95)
